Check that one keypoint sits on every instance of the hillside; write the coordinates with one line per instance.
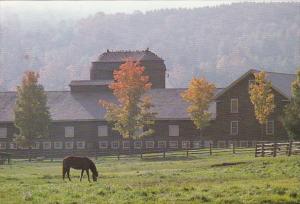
(219, 43)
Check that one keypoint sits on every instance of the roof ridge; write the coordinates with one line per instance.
(271, 72)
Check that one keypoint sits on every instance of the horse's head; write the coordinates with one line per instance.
(95, 176)
(94, 171)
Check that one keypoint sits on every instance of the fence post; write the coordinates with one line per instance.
(255, 150)
(118, 154)
(290, 148)
(187, 152)
(233, 148)
(274, 149)
(141, 153)
(263, 149)
(210, 149)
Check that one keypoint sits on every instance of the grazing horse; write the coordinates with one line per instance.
(82, 163)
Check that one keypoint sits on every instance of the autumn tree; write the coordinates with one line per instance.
(291, 118)
(262, 98)
(31, 113)
(133, 112)
(199, 95)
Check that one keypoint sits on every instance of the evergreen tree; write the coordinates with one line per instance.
(32, 115)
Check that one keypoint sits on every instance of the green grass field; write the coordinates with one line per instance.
(200, 179)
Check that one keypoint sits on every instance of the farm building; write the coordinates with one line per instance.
(79, 126)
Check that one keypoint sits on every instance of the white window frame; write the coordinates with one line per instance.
(174, 130)
(46, 145)
(161, 144)
(173, 144)
(36, 145)
(231, 105)
(3, 132)
(268, 132)
(196, 144)
(58, 145)
(185, 144)
(149, 144)
(2, 145)
(115, 144)
(102, 146)
(69, 131)
(208, 142)
(231, 127)
(126, 144)
(12, 145)
(138, 144)
(68, 145)
(102, 131)
(80, 145)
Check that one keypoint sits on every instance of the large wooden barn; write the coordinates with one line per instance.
(79, 126)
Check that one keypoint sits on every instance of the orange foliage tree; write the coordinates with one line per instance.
(262, 98)
(133, 112)
(199, 95)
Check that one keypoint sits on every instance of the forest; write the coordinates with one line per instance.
(219, 43)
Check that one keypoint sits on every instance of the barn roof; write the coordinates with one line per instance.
(121, 56)
(80, 106)
(281, 82)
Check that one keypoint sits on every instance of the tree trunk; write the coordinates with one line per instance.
(262, 130)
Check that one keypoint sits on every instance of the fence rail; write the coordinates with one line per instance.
(274, 149)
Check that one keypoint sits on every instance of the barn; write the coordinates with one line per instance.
(79, 126)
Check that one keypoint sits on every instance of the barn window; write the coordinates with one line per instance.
(103, 145)
(207, 143)
(46, 145)
(69, 145)
(149, 144)
(173, 144)
(36, 145)
(102, 131)
(137, 144)
(69, 131)
(161, 144)
(234, 105)
(2, 145)
(3, 132)
(58, 145)
(270, 127)
(234, 127)
(80, 144)
(196, 144)
(126, 144)
(185, 144)
(115, 145)
(12, 145)
(174, 130)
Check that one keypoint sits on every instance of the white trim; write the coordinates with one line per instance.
(185, 144)
(3, 132)
(161, 144)
(2, 145)
(12, 145)
(102, 131)
(69, 131)
(69, 145)
(149, 144)
(46, 145)
(272, 127)
(115, 144)
(232, 100)
(174, 130)
(36, 145)
(173, 144)
(103, 144)
(237, 127)
(58, 145)
(137, 144)
(80, 145)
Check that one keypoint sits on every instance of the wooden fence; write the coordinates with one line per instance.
(274, 149)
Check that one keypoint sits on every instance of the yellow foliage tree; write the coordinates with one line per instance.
(262, 98)
(199, 95)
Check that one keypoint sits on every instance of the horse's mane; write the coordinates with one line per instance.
(93, 168)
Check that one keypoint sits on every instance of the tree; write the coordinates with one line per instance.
(133, 112)
(291, 117)
(32, 116)
(262, 98)
(199, 95)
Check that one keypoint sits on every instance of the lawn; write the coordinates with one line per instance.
(198, 179)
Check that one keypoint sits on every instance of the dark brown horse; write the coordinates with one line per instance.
(82, 163)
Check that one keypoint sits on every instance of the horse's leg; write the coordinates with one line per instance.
(68, 173)
(81, 174)
(88, 174)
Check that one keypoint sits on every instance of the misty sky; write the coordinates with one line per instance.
(79, 9)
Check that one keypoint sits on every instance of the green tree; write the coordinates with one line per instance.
(133, 112)
(32, 116)
(262, 98)
(291, 117)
